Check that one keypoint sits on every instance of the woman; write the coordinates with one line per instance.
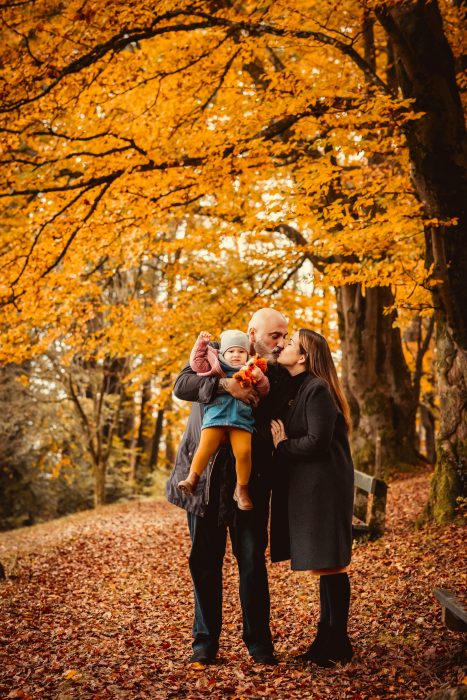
(311, 520)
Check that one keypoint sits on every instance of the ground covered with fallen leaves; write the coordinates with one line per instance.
(98, 605)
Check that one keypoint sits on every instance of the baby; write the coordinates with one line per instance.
(225, 417)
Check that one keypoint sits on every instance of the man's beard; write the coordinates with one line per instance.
(269, 355)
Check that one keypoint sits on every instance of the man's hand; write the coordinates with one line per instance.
(248, 395)
(256, 373)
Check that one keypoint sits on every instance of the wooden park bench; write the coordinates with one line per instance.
(454, 614)
(369, 506)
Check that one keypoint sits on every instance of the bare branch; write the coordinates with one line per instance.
(299, 240)
(61, 135)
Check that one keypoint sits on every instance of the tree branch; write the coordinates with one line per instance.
(41, 229)
(120, 41)
(71, 238)
(299, 239)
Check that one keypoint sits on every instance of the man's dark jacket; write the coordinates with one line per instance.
(201, 390)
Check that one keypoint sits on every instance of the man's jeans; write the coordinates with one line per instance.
(249, 541)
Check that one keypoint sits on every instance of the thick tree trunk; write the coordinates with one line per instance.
(449, 480)
(438, 152)
(376, 379)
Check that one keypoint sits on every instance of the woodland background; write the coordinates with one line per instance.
(170, 167)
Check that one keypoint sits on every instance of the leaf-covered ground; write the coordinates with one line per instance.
(99, 605)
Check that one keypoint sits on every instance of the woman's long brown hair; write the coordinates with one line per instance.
(319, 363)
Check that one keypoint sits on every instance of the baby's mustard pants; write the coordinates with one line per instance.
(212, 439)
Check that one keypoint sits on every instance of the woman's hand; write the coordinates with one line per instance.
(278, 432)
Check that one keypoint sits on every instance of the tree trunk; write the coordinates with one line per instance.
(170, 447)
(376, 379)
(162, 414)
(142, 455)
(375, 375)
(449, 480)
(99, 484)
(427, 420)
(437, 144)
(156, 441)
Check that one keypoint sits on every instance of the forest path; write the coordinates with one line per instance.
(99, 605)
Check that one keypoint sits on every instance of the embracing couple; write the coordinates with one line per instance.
(281, 426)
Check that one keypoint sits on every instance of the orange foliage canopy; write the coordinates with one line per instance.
(165, 164)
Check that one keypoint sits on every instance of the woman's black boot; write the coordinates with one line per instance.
(318, 645)
(337, 647)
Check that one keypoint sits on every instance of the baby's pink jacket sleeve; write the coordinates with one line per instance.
(204, 360)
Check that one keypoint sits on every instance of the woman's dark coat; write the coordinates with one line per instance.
(313, 491)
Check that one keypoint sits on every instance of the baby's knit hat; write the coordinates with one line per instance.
(230, 339)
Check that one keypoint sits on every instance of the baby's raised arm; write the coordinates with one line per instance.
(203, 357)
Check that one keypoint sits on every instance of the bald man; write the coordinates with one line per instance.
(212, 512)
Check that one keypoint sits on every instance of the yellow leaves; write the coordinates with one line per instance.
(179, 127)
(441, 224)
(198, 666)
(433, 282)
(71, 674)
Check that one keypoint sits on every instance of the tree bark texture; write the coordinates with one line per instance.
(376, 379)
(427, 420)
(437, 144)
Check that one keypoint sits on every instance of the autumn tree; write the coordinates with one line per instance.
(42, 470)
(437, 144)
(153, 118)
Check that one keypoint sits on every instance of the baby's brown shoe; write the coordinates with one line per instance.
(188, 485)
(242, 497)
